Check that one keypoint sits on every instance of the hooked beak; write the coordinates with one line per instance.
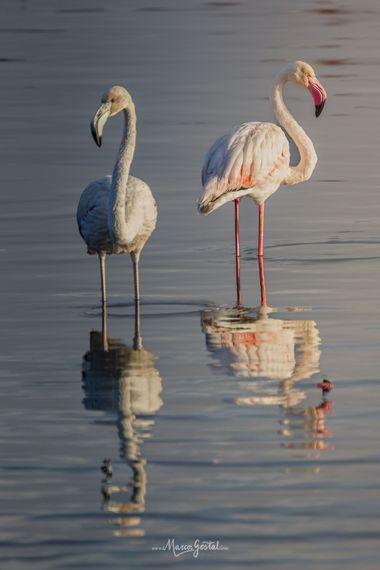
(98, 122)
(318, 93)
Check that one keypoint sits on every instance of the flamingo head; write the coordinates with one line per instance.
(303, 75)
(113, 101)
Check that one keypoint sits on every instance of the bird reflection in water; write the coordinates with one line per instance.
(123, 380)
(252, 344)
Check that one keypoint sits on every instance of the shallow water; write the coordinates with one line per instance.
(218, 431)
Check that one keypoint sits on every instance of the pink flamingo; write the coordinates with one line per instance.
(253, 159)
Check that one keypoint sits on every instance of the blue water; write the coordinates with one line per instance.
(218, 431)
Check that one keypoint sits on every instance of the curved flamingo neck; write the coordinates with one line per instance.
(308, 157)
(117, 221)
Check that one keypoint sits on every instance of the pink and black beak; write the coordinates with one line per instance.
(318, 93)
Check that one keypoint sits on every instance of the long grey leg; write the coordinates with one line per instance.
(102, 259)
(137, 341)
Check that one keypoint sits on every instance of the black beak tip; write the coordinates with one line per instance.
(205, 209)
(319, 108)
(97, 139)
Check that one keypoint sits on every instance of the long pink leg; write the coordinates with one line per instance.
(237, 254)
(263, 288)
(260, 248)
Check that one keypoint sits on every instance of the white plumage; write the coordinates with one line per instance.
(254, 158)
(118, 213)
(92, 216)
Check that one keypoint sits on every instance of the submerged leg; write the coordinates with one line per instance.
(260, 248)
(262, 282)
(102, 259)
(237, 254)
(137, 341)
(104, 328)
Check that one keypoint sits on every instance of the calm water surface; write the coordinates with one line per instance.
(217, 430)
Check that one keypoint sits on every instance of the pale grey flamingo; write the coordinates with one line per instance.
(117, 214)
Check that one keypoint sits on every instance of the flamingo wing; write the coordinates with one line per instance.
(140, 213)
(92, 216)
(250, 157)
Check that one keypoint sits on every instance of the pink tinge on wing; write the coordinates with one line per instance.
(317, 91)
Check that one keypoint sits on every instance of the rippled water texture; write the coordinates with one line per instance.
(216, 430)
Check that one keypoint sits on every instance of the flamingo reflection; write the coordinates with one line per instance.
(124, 381)
(277, 353)
(310, 422)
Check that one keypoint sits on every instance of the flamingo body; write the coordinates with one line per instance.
(92, 216)
(252, 159)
